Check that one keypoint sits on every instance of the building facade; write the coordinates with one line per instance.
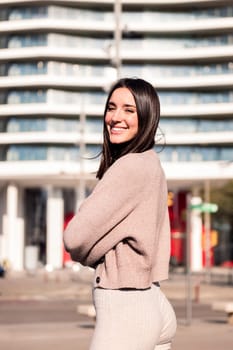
(57, 62)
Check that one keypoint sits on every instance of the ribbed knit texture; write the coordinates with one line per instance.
(122, 228)
(133, 320)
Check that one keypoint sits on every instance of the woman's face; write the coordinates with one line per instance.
(121, 116)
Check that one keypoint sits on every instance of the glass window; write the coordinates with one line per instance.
(175, 43)
(81, 70)
(176, 98)
(154, 70)
(72, 153)
(26, 124)
(42, 152)
(27, 68)
(215, 125)
(95, 98)
(81, 14)
(226, 154)
(170, 125)
(3, 124)
(66, 40)
(2, 154)
(94, 125)
(165, 153)
(27, 40)
(147, 71)
(78, 98)
(209, 153)
(189, 125)
(42, 124)
(195, 153)
(63, 125)
(27, 12)
(174, 16)
(59, 153)
(92, 151)
(28, 152)
(26, 96)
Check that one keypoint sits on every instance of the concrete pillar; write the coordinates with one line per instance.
(207, 241)
(80, 193)
(196, 236)
(14, 229)
(55, 222)
(2, 220)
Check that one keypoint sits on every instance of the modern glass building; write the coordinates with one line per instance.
(57, 62)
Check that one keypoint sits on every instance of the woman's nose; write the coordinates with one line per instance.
(116, 116)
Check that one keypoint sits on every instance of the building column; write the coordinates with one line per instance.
(55, 222)
(196, 236)
(14, 229)
(80, 193)
(2, 222)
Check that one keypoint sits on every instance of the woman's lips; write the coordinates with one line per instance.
(117, 129)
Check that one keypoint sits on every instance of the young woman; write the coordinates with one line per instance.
(122, 229)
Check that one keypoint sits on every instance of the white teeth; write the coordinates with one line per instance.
(117, 129)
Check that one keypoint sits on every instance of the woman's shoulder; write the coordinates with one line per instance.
(137, 162)
(134, 169)
(148, 157)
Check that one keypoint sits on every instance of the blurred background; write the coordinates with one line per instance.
(58, 59)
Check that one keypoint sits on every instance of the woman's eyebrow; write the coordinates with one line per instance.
(128, 105)
(111, 103)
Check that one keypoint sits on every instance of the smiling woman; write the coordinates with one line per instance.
(122, 229)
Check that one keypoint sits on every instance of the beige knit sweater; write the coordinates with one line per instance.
(122, 229)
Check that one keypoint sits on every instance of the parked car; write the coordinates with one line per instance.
(2, 271)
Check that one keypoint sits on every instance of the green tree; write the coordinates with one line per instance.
(223, 197)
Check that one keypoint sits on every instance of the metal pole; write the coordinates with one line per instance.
(82, 182)
(207, 225)
(188, 263)
(117, 36)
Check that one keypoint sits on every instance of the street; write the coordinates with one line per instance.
(41, 314)
(42, 325)
(60, 311)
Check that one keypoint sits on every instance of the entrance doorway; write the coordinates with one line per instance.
(35, 221)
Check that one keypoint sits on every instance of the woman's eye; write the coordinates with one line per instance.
(129, 110)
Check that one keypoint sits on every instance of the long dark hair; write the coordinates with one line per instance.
(148, 110)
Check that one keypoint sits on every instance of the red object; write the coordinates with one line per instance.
(177, 246)
(66, 255)
(227, 264)
(211, 251)
(211, 258)
(177, 216)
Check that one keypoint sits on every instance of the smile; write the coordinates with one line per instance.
(117, 129)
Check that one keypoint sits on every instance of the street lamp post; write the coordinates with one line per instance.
(188, 263)
(207, 225)
(82, 183)
(117, 36)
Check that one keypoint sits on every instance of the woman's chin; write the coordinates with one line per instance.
(117, 140)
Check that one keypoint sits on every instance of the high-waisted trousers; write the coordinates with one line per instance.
(133, 320)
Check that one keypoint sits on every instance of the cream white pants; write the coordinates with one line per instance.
(133, 320)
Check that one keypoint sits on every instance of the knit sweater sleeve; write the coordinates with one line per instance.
(113, 198)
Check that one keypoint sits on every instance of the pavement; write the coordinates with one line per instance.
(196, 330)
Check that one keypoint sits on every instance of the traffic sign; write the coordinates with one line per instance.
(205, 207)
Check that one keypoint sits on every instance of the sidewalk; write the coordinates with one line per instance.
(72, 284)
(76, 336)
(212, 334)
(42, 285)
